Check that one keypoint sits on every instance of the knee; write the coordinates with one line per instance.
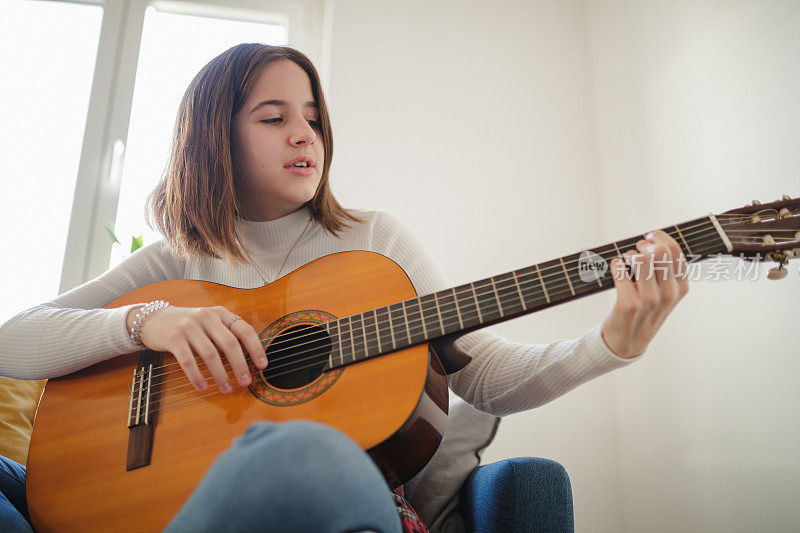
(313, 447)
(296, 436)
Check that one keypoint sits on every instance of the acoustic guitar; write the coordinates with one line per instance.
(120, 445)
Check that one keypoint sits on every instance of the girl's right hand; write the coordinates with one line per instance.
(207, 332)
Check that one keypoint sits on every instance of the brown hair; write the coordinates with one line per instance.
(195, 203)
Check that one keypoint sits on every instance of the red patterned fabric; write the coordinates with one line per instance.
(409, 518)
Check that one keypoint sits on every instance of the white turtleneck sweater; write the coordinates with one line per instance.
(73, 331)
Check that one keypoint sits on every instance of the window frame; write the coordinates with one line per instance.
(97, 188)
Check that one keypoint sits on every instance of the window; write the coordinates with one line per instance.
(135, 61)
(174, 47)
(47, 59)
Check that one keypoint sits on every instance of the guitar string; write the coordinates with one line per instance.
(190, 399)
(483, 294)
(415, 324)
(524, 281)
(488, 295)
(293, 363)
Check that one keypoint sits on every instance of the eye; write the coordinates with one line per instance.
(271, 120)
(316, 124)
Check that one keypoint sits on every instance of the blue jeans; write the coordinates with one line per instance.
(13, 509)
(295, 476)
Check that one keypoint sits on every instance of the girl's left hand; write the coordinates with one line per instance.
(643, 304)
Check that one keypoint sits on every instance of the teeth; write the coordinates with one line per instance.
(302, 164)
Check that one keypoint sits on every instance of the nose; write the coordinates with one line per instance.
(302, 134)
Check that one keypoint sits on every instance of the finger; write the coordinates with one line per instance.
(228, 344)
(660, 258)
(678, 259)
(203, 347)
(249, 338)
(646, 284)
(626, 292)
(183, 354)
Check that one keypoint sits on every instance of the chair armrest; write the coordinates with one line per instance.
(524, 494)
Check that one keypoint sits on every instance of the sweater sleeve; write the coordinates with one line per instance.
(503, 377)
(71, 332)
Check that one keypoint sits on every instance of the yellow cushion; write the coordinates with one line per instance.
(18, 402)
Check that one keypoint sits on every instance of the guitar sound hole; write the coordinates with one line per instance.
(297, 356)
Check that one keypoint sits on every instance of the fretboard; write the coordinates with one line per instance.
(489, 301)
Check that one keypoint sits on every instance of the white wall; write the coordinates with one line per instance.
(696, 110)
(513, 132)
(472, 121)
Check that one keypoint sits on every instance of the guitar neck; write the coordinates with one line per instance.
(498, 298)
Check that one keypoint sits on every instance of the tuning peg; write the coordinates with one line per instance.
(777, 272)
(755, 202)
(785, 197)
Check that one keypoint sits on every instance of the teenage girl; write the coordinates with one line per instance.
(246, 198)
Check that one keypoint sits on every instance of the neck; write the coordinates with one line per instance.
(488, 301)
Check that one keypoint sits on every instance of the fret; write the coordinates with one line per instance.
(467, 305)
(477, 304)
(567, 276)
(398, 325)
(607, 255)
(619, 254)
(340, 336)
(488, 305)
(508, 294)
(345, 334)
(383, 324)
(357, 329)
(590, 284)
(422, 319)
(372, 340)
(519, 291)
(413, 311)
(496, 297)
(541, 280)
(438, 312)
(430, 316)
(592, 256)
(628, 244)
(458, 309)
(685, 244)
(405, 321)
(448, 314)
(336, 349)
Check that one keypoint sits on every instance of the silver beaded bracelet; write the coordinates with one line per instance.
(141, 316)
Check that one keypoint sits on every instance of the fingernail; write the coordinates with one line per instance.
(649, 235)
(201, 386)
(244, 379)
(227, 388)
(262, 362)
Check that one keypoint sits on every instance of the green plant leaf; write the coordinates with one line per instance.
(136, 243)
(110, 229)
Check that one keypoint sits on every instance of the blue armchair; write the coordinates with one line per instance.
(452, 494)
(524, 494)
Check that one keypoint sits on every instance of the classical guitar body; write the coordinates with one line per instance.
(394, 405)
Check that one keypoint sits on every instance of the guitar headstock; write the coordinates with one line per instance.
(768, 231)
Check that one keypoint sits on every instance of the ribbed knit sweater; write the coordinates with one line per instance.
(73, 331)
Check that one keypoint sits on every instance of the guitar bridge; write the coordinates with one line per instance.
(143, 409)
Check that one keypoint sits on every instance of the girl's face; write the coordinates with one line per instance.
(277, 126)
